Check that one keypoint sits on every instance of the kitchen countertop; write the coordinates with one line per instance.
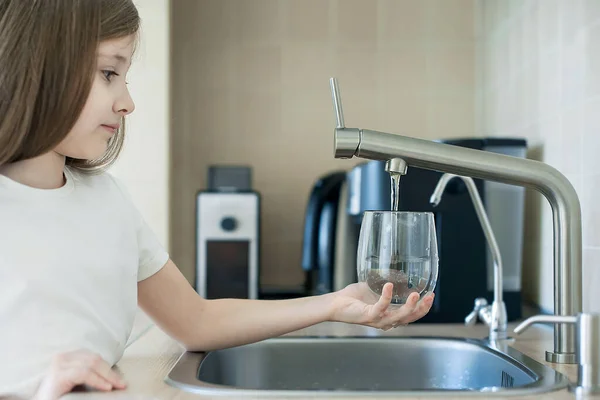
(151, 354)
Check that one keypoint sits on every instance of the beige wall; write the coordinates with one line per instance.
(144, 164)
(539, 77)
(250, 86)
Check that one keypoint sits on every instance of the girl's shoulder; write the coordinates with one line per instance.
(91, 179)
(104, 181)
(103, 187)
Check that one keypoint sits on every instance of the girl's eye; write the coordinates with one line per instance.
(108, 74)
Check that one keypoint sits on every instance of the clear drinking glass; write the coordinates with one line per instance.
(398, 247)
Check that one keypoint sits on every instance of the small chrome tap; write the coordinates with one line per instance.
(494, 315)
(588, 347)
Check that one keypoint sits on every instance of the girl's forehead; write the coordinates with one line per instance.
(121, 48)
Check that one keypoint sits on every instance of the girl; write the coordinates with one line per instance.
(76, 257)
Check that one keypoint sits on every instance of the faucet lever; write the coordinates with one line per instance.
(337, 103)
(480, 303)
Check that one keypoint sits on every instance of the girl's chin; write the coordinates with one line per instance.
(94, 152)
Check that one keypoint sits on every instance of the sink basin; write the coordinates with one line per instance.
(377, 366)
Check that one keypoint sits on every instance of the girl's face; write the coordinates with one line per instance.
(109, 100)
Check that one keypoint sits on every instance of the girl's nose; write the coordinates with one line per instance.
(124, 105)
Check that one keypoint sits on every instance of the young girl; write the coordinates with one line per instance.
(76, 257)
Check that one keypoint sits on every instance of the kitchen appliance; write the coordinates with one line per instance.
(227, 235)
(465, 264)
(320, 226)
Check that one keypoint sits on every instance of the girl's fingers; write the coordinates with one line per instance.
(384, 301)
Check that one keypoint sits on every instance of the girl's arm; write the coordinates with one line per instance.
(203, 325)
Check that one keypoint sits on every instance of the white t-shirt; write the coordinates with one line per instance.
(70, 261)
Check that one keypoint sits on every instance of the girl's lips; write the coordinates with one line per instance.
(111, 128)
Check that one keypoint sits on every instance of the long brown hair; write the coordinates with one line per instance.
(47, 61)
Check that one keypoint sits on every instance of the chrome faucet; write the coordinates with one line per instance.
(494, 315)
(566, 209)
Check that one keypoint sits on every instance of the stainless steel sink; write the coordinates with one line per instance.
(376, 366)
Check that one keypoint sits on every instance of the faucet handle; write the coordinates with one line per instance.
(337, 103)
(480, 303)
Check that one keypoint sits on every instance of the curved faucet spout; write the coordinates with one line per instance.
(497, 320)
(435, 199)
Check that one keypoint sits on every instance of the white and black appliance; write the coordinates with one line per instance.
(228, 235)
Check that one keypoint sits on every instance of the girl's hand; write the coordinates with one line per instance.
(357, 304)
(80, 367)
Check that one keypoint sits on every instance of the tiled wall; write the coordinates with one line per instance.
(251, 86)
(538, 76)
